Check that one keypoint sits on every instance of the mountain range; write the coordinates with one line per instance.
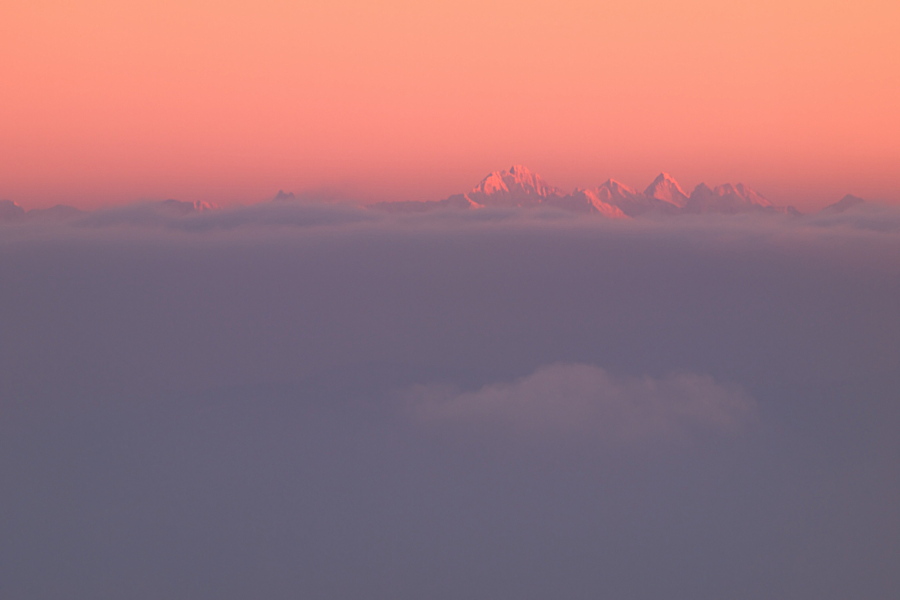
(12, 212)
(519, 187)
(516, 187)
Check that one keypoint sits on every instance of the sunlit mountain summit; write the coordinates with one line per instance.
(515, 189)
(519, 187)
(665, 189)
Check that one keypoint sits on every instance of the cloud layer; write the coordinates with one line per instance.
(186, 217)
(567, 399)
(205, 406)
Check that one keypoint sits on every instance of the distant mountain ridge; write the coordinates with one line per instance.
(846, 203)
(519, 187)
(12, 212)
(515, 188)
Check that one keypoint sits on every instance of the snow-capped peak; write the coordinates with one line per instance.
(518, 186)
(743, 192)
(730, 198)
(614, 192)
(517, 180)
(665, 188)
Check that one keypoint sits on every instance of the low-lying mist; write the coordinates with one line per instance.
(314, 401)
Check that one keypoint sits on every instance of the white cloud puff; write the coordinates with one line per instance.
(579, 398)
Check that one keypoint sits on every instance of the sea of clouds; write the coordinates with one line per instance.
(309, 401)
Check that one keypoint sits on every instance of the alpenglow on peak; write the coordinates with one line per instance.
(518, 180)
(665, 188)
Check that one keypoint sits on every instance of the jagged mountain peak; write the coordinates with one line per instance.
(846, 203)
(615, 192)
(730, 198)
(520, 170)
(743, 192)
(701, 188)
(593, 200)
(618, 186)
(517, 176)
(666, 189)
(520, 187)
(518, 181)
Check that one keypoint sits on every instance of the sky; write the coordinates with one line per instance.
(106, 103)
(290, 400)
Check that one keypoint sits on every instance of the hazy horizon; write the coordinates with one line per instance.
(346, 197)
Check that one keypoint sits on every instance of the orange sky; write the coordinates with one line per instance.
(106, 102)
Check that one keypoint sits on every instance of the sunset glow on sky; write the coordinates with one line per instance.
(108, 102)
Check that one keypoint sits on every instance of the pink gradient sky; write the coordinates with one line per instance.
(106, 102)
